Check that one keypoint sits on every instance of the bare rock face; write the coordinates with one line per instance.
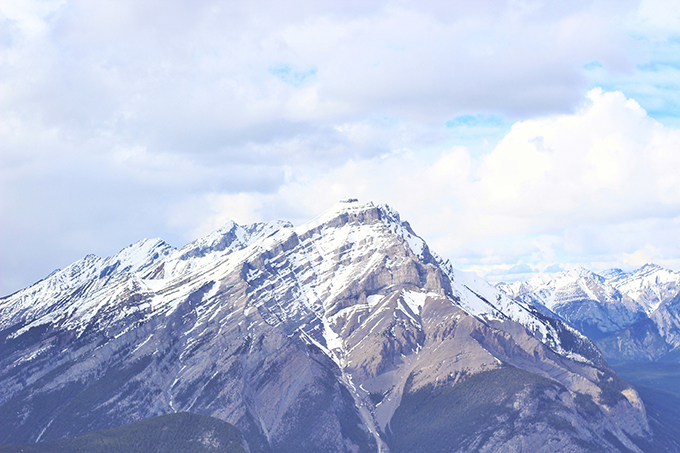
(344, 334)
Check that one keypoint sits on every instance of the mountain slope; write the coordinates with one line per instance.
(337, 335)
(180, 433)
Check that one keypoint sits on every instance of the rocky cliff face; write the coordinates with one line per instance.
(344, 334)
(631, 316)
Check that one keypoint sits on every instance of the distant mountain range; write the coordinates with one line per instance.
(631, 316)
(345, 334)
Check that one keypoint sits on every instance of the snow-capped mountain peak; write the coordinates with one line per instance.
(632, 315)
(346, 316)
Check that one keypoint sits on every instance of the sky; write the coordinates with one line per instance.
(514, 136)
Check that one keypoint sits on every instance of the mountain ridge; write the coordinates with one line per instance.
(631, 315)
(306, 338)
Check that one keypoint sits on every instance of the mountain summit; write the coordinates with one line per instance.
(346, 333)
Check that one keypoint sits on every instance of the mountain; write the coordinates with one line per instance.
(343, 334)
(631, 316)
(174, 433)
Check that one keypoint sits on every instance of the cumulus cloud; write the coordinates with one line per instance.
(598, 187)
(609, 160)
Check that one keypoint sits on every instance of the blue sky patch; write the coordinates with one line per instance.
(592, 66)
(476, 120)
(290, 75)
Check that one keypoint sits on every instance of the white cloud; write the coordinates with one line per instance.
(598, 187)
(607, 161)
(122, 119)
(660, 16)
(172, 74)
